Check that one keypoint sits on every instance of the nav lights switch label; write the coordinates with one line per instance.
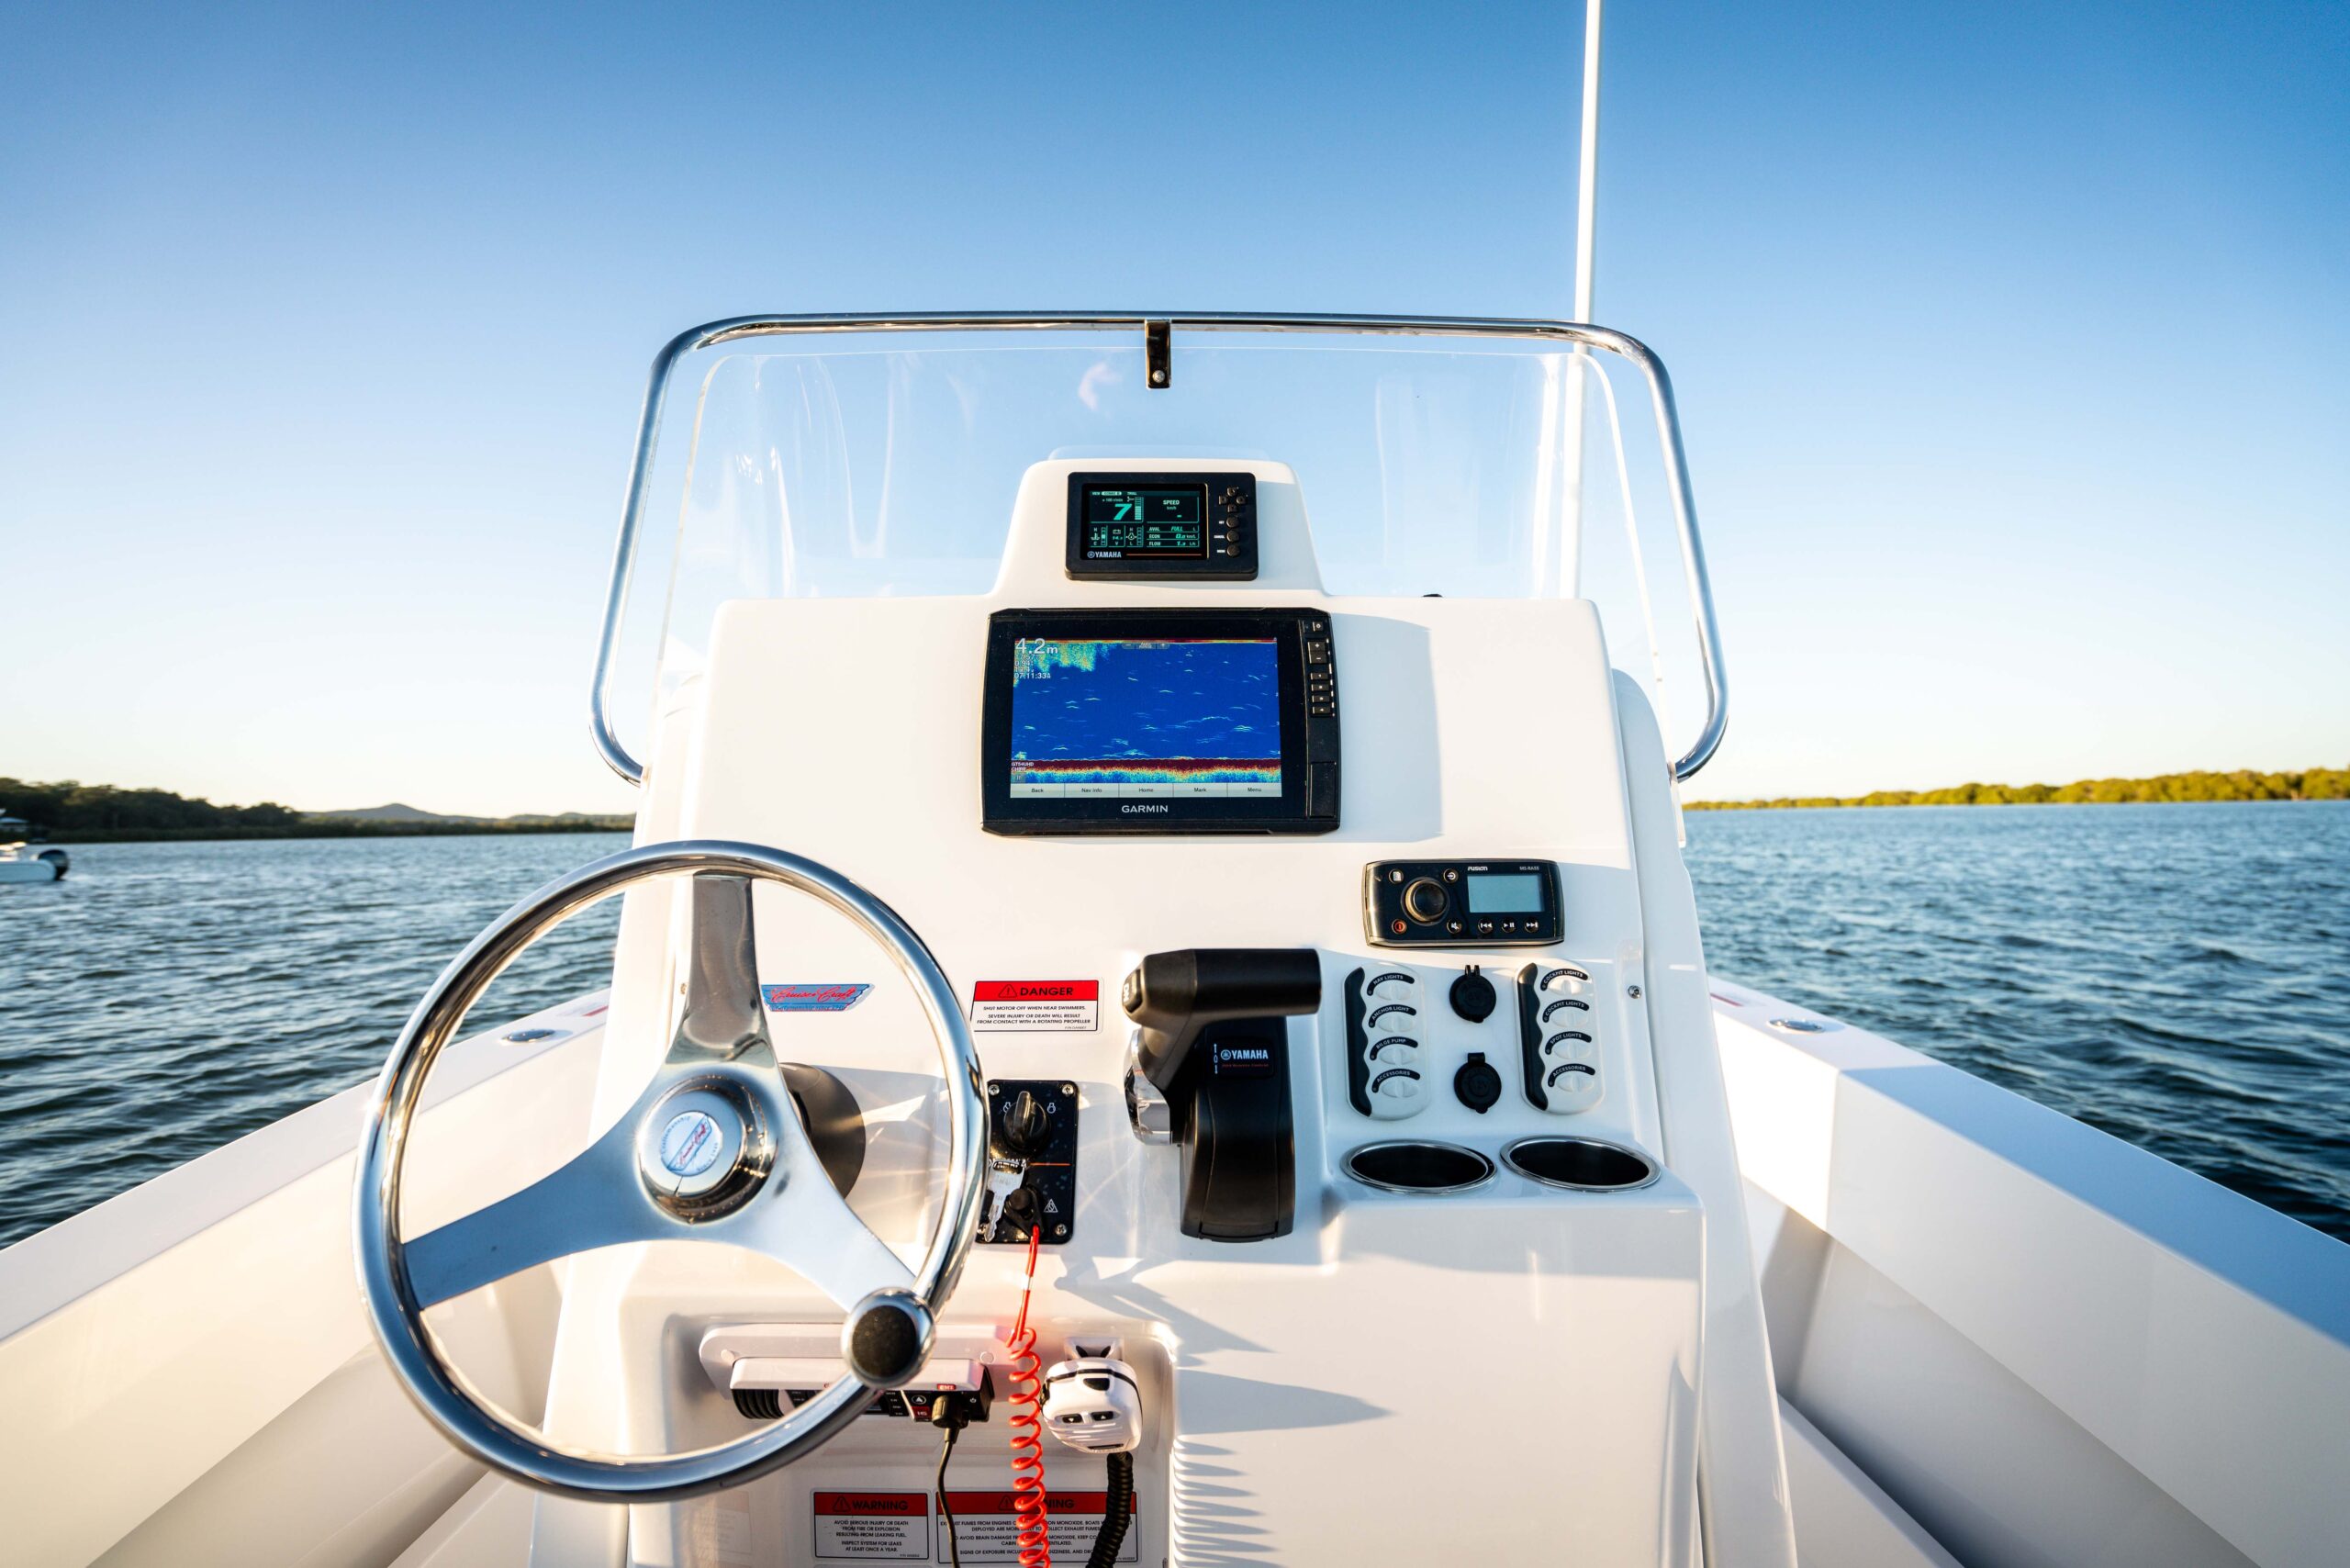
(1039, 1006)
(873, 1527)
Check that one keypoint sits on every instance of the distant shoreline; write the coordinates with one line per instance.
(67, 812)
(2162, 788)
(325, 830)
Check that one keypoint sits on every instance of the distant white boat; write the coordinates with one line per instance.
(24, 862)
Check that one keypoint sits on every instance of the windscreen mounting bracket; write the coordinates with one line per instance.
(1158, 354)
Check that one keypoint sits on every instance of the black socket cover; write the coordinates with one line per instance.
(1473, 996)
(1477, 1085)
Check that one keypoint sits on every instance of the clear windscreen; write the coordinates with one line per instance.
(870, 464)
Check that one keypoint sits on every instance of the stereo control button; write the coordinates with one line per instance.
(1423, 900)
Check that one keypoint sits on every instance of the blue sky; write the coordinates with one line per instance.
(2011, 341)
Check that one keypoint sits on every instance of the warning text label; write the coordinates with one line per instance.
(1036, 1004)
(988, 1530)
(873, 1527)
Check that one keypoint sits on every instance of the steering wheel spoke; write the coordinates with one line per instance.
(595, 1200)
(803, 1222)
(722, 1019)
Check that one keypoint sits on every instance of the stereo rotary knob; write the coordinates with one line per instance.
(1423, 900)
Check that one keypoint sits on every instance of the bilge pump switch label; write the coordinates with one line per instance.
(1065, 1005)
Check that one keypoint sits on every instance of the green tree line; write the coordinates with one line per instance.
(70, 812)
(2316, 784)
(70, 807)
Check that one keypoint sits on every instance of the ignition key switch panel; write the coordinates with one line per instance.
(1032, 1160)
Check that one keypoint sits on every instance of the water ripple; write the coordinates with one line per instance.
(2172, 975)
(193, 992)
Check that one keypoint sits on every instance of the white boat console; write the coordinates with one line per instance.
(1322, 1021)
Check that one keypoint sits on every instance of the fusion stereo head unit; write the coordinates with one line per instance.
(1484, 903)
(1159, 721)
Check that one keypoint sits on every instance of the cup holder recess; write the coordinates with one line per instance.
(1580, 1164)
(1423, 1168)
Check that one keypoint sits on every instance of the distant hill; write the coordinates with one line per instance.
(395, 813)
(71, 812)
(2316, 784)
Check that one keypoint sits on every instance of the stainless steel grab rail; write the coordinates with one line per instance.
(1668, 417)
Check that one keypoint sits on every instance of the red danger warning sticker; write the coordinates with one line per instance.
(987, 1530)
(1036, 1004)
(873, 1527)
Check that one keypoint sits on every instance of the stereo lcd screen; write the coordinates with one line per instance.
(1146, 522)
(1184, 718)
(1504, 893)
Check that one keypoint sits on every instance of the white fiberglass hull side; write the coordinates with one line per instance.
(2054, 1349)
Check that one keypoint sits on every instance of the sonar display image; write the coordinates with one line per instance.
(1194, 717)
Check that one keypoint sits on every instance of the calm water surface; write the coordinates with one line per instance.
(2178, 976)
(188, 993)
(2175, 975)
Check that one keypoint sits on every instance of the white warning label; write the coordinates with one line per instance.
(1036, 1004)
(988, 1531)
(873, 1527)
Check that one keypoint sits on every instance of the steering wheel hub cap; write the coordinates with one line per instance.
(704, 1150)
(690, 1144)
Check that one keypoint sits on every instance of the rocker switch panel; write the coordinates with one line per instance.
(1386, 1036)
(1558, 1038)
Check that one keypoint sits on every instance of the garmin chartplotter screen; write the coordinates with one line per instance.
(1160, 720)
(1195, 718)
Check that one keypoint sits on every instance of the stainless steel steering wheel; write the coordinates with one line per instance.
(714, 1148)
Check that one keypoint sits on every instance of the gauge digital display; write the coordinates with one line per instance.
(1126, 526)
(1145, 522)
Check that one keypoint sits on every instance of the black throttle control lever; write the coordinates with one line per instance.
(1176, 996)
(1212, 1040)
